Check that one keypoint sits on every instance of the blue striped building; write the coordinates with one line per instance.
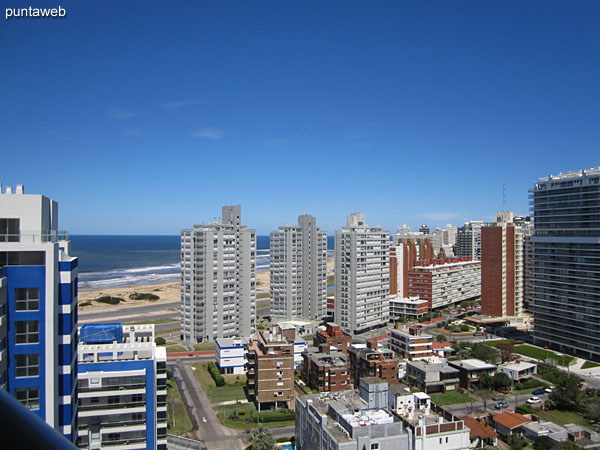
(38, 309)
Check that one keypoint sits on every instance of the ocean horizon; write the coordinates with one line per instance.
(109, 261)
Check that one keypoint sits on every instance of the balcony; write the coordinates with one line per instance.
(35, 237)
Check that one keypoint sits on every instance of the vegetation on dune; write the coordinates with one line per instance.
(110, 300)
(142, 296)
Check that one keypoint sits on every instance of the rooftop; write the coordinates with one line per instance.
(473, 364)
(511, 420)
(572, 174)
(519, 365)
(478, 429)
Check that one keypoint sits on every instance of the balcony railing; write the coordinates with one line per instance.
(35, 237)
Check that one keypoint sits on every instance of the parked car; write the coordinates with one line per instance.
(539, 391)
(498, 398)
(502, 404)
(503, 391)
(548, 390)
(534, 400)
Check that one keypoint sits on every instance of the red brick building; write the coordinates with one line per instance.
(403, 257)
(502, 268)
(270, 369)
(334, 336)
(373, 360)
(324, 369)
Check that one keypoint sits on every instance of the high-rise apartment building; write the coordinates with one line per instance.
(424, 229)
(299, 270)
(468, 240)
(502, 267)
(362, 276)
(38, 309)
(218, 279)
(122, 388)
(404, 253)
(566, 246)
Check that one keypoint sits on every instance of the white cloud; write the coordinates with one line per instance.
(209, 133)
(440, 215)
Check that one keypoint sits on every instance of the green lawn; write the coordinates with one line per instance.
(205, 346)
(564, 417)
(176, 349)
(535, 352)
(542, 354)
(450, 398)
(178, 420)
(330, 280)
(262, 296)
(589, 365)
(231, 390)
(228, 419)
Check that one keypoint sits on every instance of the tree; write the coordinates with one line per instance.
(501, 380)
(517, 442)
(440, 338)
(260, 438)
(485, 352)
(485, 380)
(543, 443)
(506, 350)
(592, 410)
(568, 445)
(566, 393)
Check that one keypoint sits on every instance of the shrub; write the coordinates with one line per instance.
(214, 373)
(465, 328)
(140, 296)
(526, 408)
(530, 384)
(160, 341)
(110, 300)
(85, 303)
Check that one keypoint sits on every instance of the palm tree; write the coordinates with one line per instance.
(260, 438)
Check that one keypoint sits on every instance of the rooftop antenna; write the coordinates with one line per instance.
(503, 197)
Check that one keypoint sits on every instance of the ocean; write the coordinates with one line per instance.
(119, 261)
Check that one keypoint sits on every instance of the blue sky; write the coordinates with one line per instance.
(146, 117)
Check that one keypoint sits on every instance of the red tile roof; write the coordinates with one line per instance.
(439, 345)
(511, 420)
(478, 429)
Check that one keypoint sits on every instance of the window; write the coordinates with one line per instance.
(27, 332)
(27, 365)
(375, 446)
(29, 397)
(27, 299)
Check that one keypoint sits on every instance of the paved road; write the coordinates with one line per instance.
(152, 311)
(210, 430)
(463, 409)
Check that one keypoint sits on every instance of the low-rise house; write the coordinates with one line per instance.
(481, 434)
(231, 355)
(432, 376)
(325, 369)
(577, 434)
(469, 371)
(410, 343)
(507, 422)
(519, 370)
(373, 360)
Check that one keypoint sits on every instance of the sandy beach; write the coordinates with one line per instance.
(168, 292)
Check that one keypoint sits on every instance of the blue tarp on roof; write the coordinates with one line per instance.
(101, 333)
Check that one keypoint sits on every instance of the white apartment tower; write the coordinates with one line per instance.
(299, 270)
(218, 279)
(362, 276)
